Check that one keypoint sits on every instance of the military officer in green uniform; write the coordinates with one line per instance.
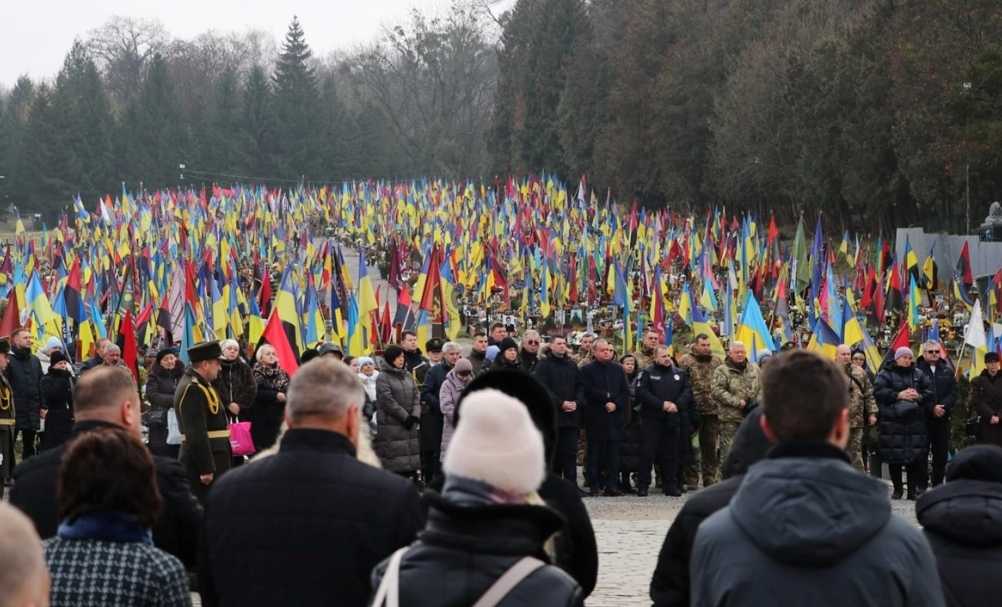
(205, 448)
(6, 420)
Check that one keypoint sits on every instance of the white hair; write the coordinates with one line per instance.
(229, 343)
(323, 387)
(451, 346)
(736, 344)
(260, 351)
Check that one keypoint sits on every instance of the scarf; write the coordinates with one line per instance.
(740, 367)
(106, 527)
(273, 375)
(471, 492)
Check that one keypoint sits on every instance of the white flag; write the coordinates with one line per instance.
(975, 334)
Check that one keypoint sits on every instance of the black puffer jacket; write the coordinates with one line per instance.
(24, 372)
(161, 385)
(464, 549)
(902, 424)
(963, 523)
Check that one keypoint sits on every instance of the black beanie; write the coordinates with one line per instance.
(529, 391)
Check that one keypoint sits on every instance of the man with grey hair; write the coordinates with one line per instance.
(944, 395)
(735, 387)
(24, 578)
(432, 422)
(306, 525)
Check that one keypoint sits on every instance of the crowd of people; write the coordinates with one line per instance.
(450, 477)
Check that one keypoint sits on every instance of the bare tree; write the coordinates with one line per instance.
(122, 48)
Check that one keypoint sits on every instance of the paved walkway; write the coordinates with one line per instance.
(630, 531)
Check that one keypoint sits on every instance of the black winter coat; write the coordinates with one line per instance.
(465, 549)
(528, 360)
(963, 523)
(303, 527)
(176, 530)
(57, 399)
(603, 383)
(631, 450)
(986, 400)
(161, 385)
(902, 424)
(658, 384)
(562, 379)
(944, 389)
(24, 372)
(235, 384)
(576, 550)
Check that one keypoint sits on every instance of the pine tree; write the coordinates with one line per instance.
(257, 123)
(229, 146)
(297, 105)
(156, 136)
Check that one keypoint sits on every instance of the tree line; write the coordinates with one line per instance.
(875, 112)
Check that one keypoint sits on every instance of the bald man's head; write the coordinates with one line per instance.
(843, 354)
(24, 579)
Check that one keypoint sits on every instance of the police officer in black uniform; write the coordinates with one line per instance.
(205, 449)
(665, 395)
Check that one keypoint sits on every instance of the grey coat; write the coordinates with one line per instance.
(805, 528)
(397, 399)
(448, 398)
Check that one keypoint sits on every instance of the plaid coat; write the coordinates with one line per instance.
(90, 572)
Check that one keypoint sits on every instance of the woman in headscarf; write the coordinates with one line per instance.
(367, 374)
(448, 396)
(269, 404)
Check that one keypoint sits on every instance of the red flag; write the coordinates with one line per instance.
(264, 295)
(274, 334)
(964, 266)
(130, 350)
(11, 316)
(432, 282)
(773, 230)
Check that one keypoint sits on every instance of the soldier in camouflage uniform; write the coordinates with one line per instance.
(700, 364)
(7, 420)
(862, 405)
(645, 358)
(736, 388)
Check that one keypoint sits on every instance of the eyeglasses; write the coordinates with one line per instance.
(932, 351)
(532, 342)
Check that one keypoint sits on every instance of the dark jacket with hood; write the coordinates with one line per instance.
(562, 379)
(528, 360)
(902, 424)
(432, 421)
(670, 584)
(162, 384)
(963, 523)
(24, 372)
(469, 543)
(805, 528)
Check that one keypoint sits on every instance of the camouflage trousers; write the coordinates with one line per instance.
(705, 456)
(855, 448)
(727, 432)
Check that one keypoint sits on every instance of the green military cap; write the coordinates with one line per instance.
(207, 350)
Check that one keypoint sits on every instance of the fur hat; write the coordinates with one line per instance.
(392, 353)
(162, 353)
(506, 344)
(56, 357)
(496, 443)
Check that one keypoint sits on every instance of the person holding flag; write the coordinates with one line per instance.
(205, 450)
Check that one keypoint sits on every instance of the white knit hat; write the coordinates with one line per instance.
(496, 443)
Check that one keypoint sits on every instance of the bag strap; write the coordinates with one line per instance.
(389, 587)
(511, 578)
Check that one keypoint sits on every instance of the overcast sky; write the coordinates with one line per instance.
(37, 33)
